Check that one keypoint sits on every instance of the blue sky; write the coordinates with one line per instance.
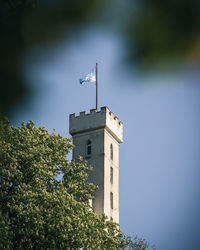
(159, 158)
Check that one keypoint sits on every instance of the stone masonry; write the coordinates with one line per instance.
(96, 137)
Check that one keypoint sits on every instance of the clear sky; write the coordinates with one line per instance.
(159, 158)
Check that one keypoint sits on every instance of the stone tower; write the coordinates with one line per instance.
(96, 137)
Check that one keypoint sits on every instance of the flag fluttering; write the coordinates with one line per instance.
(91, 77)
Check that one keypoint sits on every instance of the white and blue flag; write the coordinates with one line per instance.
(91, 77)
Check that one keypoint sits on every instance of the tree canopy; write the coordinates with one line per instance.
(45, 198)
(163, 32)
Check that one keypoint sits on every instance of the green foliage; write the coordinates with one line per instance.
(44, 197)
(138, 244)
(26, 24)
(164, 32)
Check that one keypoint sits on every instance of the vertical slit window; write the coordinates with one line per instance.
(111, 175)
(91, 203)
(89, 147)
(111, 151)
(111, 200)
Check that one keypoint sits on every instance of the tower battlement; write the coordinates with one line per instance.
(96, 120)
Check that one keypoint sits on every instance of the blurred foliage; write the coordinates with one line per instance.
(28, 23)
(156, 32)
(163, 32)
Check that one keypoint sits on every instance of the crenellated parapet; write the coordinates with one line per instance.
(96, 120)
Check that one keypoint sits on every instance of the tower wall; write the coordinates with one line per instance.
(94, 120)
(96, 159)
(114, 186)
(102, 129)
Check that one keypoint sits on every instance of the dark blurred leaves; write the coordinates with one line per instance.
(161, 32)
(25, 24)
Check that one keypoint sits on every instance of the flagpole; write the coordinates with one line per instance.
(96, 86)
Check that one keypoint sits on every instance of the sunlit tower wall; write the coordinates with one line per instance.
(96, 137)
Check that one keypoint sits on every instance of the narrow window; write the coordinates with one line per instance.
(89, 147)
(111, 218)
(111, 175)
(111, 200)
(91, 203)
(111, 151)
